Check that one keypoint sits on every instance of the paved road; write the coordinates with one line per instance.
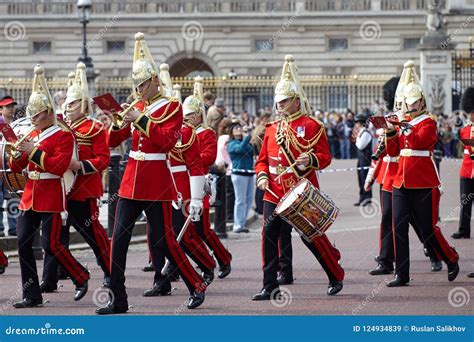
(355, 234)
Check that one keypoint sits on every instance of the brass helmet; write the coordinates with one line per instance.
(40, 98)
(70, 78)
(177, 92)
(410, 85)
(144, 66)
(289, 85)
(194, 103)
(79, 90)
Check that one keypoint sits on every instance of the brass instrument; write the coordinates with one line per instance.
(380, 149)
(12, 149)
(118, 118)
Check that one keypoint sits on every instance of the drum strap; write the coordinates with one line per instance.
(289, 155)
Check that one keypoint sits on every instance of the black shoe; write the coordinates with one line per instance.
(357, 204)
(381, 269)
(461, 235)
(224, 271)
(148, 268)
(208, 276)
(48, 288)
(196, 299)
(2, 269)
(427, 254)
(436, 266)
(28, 303)
(453, 271)
(470, 275)
(282, 280)
(158, 290)
(398, 281)
(106, 282)
(266, 295)
(366, 202)
(377, 258)
(334, 287)
(81, 291)
(110, 309)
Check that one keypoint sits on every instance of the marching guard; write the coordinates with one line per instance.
(82, 202)
(154, 122)
(294, 147)
(44, 199)
(416, 185)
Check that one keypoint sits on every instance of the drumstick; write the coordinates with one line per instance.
(273, 194)
(288, 168)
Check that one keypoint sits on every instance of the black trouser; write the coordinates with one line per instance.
(321, 248)
(259, 201)
(286, 252)
(467, 193)
(230, 198)
(28, 222)
(161, 244)
(86, 222)
(421, 205)
(361, 176)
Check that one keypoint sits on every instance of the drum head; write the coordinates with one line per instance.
(290, 197)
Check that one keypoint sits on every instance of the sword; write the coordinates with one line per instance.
(179, 238)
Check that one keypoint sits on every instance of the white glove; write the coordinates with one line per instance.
(197, 193)
(195, 209)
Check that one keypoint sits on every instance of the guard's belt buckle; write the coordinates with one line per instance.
(35, 175)
(139, 155)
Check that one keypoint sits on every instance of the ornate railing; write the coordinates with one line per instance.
(251, 93)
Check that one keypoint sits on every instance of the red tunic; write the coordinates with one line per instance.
(272, 159)
(153, 134)
(94, 155)
(417, 170)
(185, 157)
(467, 169)
(51, 157)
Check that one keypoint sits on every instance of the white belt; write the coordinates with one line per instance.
(467, 152)
(391, 159)
(41, 175)
(274, 170)
(139, 155)
(179, 168)
(408, 152)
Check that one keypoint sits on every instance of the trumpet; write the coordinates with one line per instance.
(380, 149)
(118, 118)
(13, 148)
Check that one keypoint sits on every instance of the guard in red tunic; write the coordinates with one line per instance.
(188, 178)
(3, 262)
(44, 197)
(154, 125)
(194, 114)
(416, 185)
(467, 170)
(82, 203)
(295, 138)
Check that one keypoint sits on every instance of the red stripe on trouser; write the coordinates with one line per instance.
(220, 252)
(330, 256)
(177, 253)
(63, 255)
(446, 249)
(3, 259)
(197, 248)
(101, 238)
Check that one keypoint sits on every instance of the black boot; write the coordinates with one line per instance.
(163, 289)
(28, 303)
(196, 299)
(381, 269)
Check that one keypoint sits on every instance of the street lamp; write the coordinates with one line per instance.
(232, 75)
(84, 13)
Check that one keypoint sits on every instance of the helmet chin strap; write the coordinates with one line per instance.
(140, 93)
(70, 110)
(284, 111)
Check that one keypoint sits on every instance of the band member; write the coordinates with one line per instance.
(3, 262)
(294, 147)
(188, 180)
(44, 199)
(194, 115)
(387, 168)
(153, 123)
(416, 184)
(467, 169)
(83, 211)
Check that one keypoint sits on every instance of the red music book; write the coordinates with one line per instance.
(7, 131)
(107, 103)
(378, 122)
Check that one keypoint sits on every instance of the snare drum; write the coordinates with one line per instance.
(308, 210)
